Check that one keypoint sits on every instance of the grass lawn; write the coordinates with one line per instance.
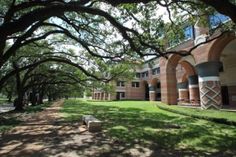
(231, 116)
(129, 123)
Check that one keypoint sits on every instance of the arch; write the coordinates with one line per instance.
(218, 46)
(169, 80)
(155, 94)
(173, 61)
(145, 87)
(184, 78)
(154, 81)
(190, 70)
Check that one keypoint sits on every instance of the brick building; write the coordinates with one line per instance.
(207, 77)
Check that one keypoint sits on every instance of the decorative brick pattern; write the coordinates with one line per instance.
(210, 94)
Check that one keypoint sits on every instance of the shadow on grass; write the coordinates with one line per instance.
(159, 131)
(37, 108)
(7, 123)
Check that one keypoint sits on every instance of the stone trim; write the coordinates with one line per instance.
(180, 90)
(193, 86)
(209, 78)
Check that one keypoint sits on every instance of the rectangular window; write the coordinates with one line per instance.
(216, 19)
(144, 74)
(120, 83)
(122, 94)
(188, 32)
(137, 75)
(135, 84)
(156, 71)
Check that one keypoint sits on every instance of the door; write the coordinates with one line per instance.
(117, 95)
(225, 95)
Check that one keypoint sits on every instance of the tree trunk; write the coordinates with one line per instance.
(18, 103)
(9, 96)
(41, 94)
(49, 98)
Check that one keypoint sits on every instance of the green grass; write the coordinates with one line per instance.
(132, 122)
(37, 108)
(230, 116)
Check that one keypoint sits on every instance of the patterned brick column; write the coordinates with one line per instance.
(209, 85)
(152, 93)
(183, 92)
(194, 90)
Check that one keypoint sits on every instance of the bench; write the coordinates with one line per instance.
(92, 123)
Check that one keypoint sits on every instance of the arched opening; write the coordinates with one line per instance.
(169, 82)
(174, 71)
(227, 74)
(156, 85)
(145, 89)
(188, 90)
(217, 75)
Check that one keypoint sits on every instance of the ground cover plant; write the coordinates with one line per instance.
(132, 123)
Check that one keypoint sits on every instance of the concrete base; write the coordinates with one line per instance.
(93, 124)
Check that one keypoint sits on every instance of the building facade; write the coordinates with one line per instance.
(206, 78)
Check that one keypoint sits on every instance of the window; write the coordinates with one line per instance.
(120, 83)
(135, 84)
(137, 75)
(156, 71)
(188, 32)
(144, 74)
(217, 19)
(122, 94)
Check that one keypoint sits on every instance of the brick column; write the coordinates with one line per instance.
(152, 93)
(209, 85)
(194, 90)
(183, 92)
